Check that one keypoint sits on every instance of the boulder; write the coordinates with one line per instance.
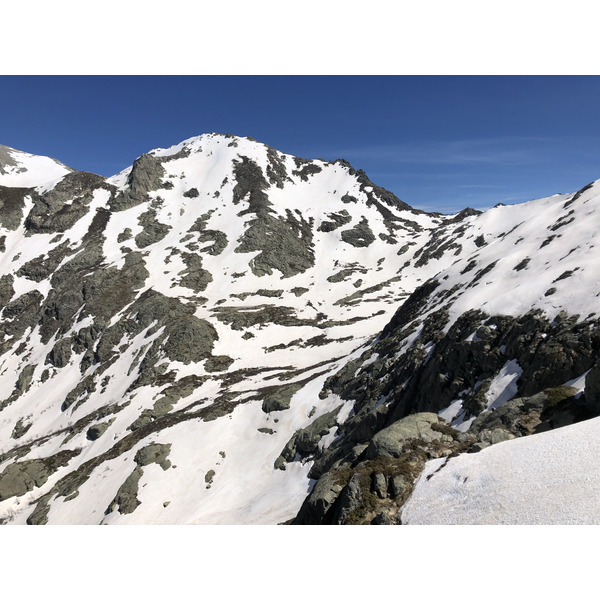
(319, 502)
(379, 485)
(154, 453)
(349, 501)
(382, 519)
(392, 439)
(98, 430)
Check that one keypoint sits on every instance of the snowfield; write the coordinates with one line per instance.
(550, 478)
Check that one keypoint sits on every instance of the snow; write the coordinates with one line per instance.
(578, 382)
(451, 412)
(31, 171)
(246, 487)
(504, 386)
(544, 479)
(518, 232)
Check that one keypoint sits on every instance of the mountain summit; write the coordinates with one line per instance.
(223, 333)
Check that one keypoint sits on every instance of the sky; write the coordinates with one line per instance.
(440, 143)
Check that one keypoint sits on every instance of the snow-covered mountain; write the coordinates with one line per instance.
(223, 333)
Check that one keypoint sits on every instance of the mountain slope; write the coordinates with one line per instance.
(492, 344)
(21, 169)
(185, 300)
(206, 336)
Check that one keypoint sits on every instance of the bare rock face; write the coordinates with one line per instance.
(373, 481)
(592, 388)
(21, 477)
(60, 208)
(12, 203)
(284, 243)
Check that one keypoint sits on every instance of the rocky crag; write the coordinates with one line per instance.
(223, 333)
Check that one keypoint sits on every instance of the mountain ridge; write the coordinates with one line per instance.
(218, 324)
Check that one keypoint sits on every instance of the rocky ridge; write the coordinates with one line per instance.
(264, 338)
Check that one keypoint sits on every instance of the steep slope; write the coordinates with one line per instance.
(492, 345)
(544, 479)
(190, 307)
(223, 333)
(23, 170)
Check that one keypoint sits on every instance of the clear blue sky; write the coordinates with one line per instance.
(438, 142)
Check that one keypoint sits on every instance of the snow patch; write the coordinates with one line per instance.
(504, 386)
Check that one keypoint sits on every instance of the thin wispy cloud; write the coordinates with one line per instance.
(497, 151)
(500, 151)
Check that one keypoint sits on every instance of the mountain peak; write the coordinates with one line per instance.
(224, 333)
(21, 169)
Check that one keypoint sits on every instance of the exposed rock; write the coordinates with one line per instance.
(12, 203)
(6, 289)
(340, 275)
(318, 505)
(21, 386)
(125, 235)
(21, 477)
(382, 519)
(336, 221)
(218, 363)
(398, 485)
(308, 169)
(153, 231)
(592, 388)
(60, 355)
(43, 267)
(549, 409)
(276, 171)
(98, 430)
(126, 499)
(285, 245)
(217, 239)
(145, 176)
(349, 501)
(393, 438)
(154, 453)
(359, 236)
(306, 440)
(20, 429)
(379, 485)
(80, 392)
(208, 478)
(242, 318)
(19, 315)
(280, 398)
(266, 430)
(190, 340)
(194, 277)
(67, 202)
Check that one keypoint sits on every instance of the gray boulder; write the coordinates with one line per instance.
(349, 501)
(379, 485)
(319, 502)
(392, 439)
(382, 519)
